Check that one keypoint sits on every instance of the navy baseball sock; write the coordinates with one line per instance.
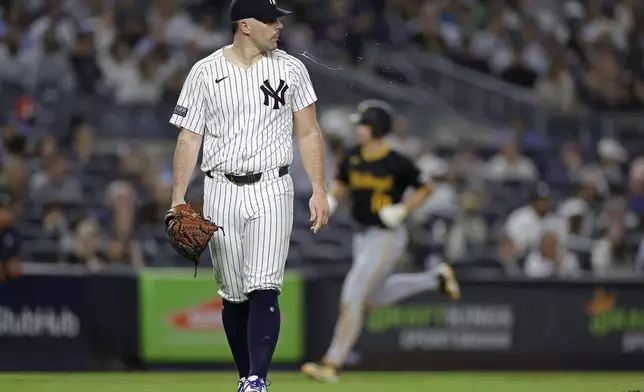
(235, 319)
(263, 330)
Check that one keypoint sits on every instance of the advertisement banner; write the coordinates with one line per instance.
(602, 318)
(43, 323)
(432, 326)
(502, 325)
(180, 319)
(426, 323)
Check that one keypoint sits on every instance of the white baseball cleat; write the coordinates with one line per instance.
(320, 372)
(447, 282)
(255, 384)
(240, 384)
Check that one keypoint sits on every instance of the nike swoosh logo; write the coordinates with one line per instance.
(219, 80)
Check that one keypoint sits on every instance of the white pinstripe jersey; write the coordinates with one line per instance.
(245, 115)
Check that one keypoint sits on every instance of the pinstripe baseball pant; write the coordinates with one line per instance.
(257, 220)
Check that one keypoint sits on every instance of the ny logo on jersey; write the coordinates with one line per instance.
(277, 95)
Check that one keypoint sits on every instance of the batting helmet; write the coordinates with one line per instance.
(376, 114)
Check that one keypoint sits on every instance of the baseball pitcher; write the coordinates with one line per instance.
(245, 101)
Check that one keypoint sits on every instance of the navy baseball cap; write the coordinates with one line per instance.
(375, 115)
(258, 9)
(368, 109)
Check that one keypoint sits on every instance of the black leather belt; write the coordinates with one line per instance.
(246, 179)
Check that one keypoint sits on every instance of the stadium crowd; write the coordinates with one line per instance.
(524, 206)
(575, 54)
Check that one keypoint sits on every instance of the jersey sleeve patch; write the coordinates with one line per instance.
(190, 108)
(180, 110)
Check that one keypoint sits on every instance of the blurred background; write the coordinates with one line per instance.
(526, 114)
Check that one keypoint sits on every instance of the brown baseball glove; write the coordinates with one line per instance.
(188, 232)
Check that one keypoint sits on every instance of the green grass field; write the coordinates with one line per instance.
(351, 382)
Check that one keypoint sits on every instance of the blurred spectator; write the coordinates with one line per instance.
(24, 120)
(55, 184)
(444, 198)
(401, 139)
(14, 143)
(429, 164)
(83, 61)
(636, 188)
(511, 165)
(86, 14)
(636, 177)
(550, 260)
(53, 66)
(53, 26)
(144, 84)
(524, 59)
(152, 212)
(599, 25)
(517, 71)
(153, 170)
(617, 212)
(556, 90)
(15, 179)
(46, 149)
(467, 165)
(82, 153)
(208, 36)
(120, 199)
(13, 64)
(604, 85)
(115, 60)
(466, 57)
(611, 254)
(123, 245)
(507, 255)
(525, 225)
(55, 220)
(83, 247)
(579, 217)
(344, 29)
(469, 233)
(10, 241)
(565, 168)
(130, 14)
(488, 41)
(428, 35)
(130, 164)
(169, 23)
(608, 172)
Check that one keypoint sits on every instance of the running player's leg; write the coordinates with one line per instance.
(269, 205)
(404, 285)
(222, 203)
(376, 252)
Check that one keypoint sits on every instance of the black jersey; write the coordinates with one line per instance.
(376, 182)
